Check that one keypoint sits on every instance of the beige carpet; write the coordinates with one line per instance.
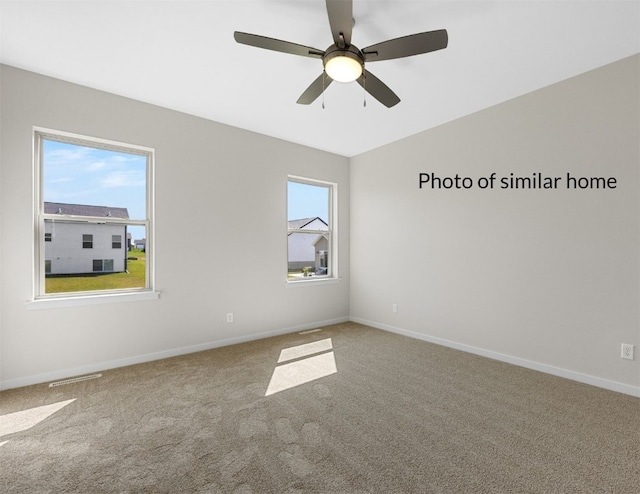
(378, 413)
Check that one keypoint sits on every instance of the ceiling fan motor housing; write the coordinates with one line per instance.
(343, 64)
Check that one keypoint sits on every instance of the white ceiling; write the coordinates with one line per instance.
(181, 55)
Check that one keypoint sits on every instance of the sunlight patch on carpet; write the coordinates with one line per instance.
(11, 423)
(309, 368)
(304, 350)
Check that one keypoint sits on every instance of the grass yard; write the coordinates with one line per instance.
(134, 278)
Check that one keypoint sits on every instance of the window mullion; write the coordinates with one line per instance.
(302, 230)
(93, 220)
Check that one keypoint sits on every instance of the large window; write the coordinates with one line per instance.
(311, 238)
(92, 197)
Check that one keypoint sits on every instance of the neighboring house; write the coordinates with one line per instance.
(76, 248)
(140, 244)
(308, 249)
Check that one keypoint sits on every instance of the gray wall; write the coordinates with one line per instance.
(543, 278)
(222, 187)
(548, 279)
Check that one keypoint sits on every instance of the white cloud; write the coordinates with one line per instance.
(67, 155)
(96, 165)
(123, 178)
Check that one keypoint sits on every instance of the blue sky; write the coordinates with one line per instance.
(307, 201)
(83, 175)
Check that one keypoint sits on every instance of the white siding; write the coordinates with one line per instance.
(302, 248)
(66, 252)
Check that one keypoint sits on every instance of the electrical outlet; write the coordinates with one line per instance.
(394, 308)
(627, 351)
(230, 317)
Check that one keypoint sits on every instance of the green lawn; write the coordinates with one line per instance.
(134, 278)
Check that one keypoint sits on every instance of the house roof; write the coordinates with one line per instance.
(85, 210)
(302, 222)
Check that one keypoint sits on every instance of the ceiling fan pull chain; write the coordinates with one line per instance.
(364, 88)
(323, 74)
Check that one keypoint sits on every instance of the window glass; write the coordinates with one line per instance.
(94, 197)
(310, 235)
(87, 241)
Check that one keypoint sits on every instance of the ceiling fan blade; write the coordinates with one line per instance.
(407, 46)
(277, 45)
(315, 89)
(341, 20)
(378, 89)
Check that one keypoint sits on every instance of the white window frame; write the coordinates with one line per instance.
(102, 265)
(40, 299)
(114, 241)
(332, 232)
(87, 240)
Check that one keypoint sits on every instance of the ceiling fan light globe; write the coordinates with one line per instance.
(343, 69)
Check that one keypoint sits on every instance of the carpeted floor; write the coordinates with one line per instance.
(379, 413)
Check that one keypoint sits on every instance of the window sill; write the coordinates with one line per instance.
(312, 281)
(80, 300)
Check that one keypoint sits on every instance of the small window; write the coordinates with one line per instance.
(47, 237)
(311, 235)
(116, 241)
(102, 265)
(47, 266)
(87, 241)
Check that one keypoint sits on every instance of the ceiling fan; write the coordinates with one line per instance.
(344, 62)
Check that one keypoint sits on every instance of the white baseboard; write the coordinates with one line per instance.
(548, 369)
(149, 357)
